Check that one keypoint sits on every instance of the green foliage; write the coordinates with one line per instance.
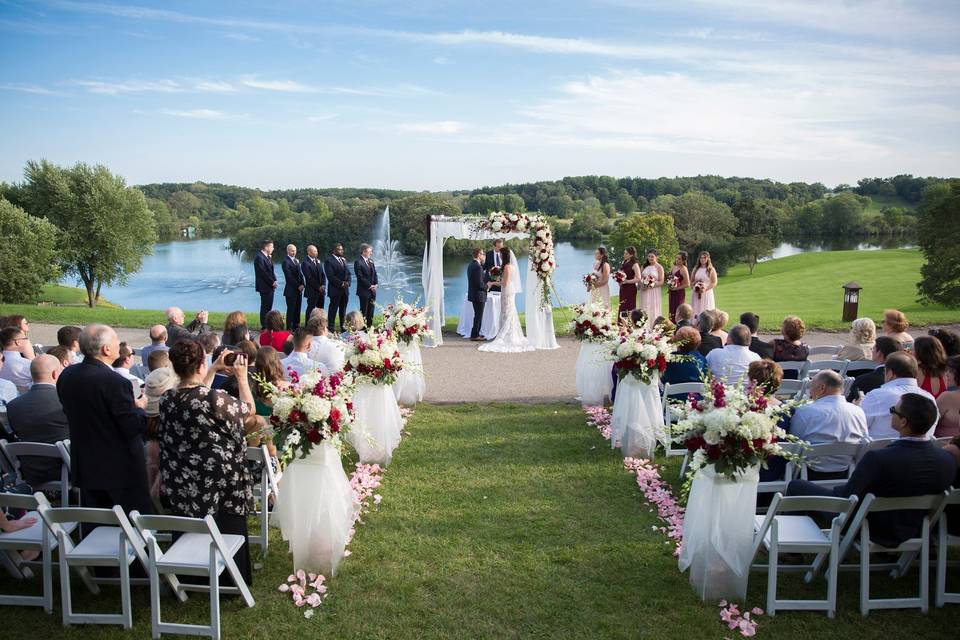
(168, 228)
(939, 237)
(697, 218)
(645, 231)
(27, 254)
(842, 215)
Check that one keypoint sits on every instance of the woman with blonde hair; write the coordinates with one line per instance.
(895, 325)
(863, 335)
(703, 282)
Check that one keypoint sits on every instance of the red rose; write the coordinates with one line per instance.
(315, 436)
(713, 452)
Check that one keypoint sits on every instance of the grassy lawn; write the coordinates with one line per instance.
(503, 521)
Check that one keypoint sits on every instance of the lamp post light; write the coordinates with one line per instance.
(851, 301)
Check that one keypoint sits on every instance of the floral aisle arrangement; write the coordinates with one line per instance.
(641, 353)
(592, 323)
(373, 358)
(406, 322)
(543, 260)
(593, 327)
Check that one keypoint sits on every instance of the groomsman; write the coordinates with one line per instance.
(266, 280)
(366, 282)
(338, 286)
(293, 287)
(492, 260)
(476, 292)
(314, 281)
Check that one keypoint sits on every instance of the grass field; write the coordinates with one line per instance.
(503, 521)
(807, 285)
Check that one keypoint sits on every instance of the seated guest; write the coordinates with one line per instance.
(176, 330)
(25, 346)
(829, 418)
(37, 416)
(158, 359)
(235, 328)
(895, 326)
(789, 348)
(210, 342)
(729, 364)
(722, 319)
(952, 511)
(8, 390)
(203, 444)
(949, 340)
(758, 346)
(867, 382)
(355, 324)
(948, 403)
(931, 364)
(271, 371)
(863, 335)
(684, 316)
(299, 362)
(692, 366)
(708, 342)
(274, 335)
(765, 375)
(157, 383)
(248, 348)
(911, 466)
(62, 354)
(16, 368)
(323, 349)
(122, 366)
(158, 342)
(900, 377)
(236, 335)
(69, 337)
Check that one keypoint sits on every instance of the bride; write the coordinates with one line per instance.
(510, 338)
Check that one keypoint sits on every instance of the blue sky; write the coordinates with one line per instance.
(436, 95)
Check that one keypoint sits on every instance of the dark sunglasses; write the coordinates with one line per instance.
(894, 411)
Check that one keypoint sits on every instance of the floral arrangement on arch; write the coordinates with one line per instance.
(642, 353)
(373, 357)
(731, 428)
(543, 260)
(592, 323)
(407, 322)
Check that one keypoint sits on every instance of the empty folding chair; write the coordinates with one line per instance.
(944, 541)
(201, 550)
(799, 367)
(15, 451)
(791, 389)
(33, 538)
(840, 366)
(799, 533)
(262, 491)
(836, 452)
(828, 350)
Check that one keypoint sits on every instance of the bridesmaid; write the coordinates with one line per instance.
(650, 296)
(706, 274)
(628, 288)
(678, 293)
(600, 294)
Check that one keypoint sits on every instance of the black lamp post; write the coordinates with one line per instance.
(851, 301)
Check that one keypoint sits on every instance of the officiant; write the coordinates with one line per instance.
(492, 260)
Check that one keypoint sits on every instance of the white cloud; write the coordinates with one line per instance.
(129, 86)
(321, 117)
(441, 127)
(241, 37)
(29, 88)
(285, 86)
(199, 114)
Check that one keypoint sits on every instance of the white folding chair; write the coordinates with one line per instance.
(34, 538)
(793, 365)
(814, 452)
(873, 445)
(201, 550)
(789, 473)
(14, 451)
(945, 540)
(840, 366)
(261, 493)
(792, 389)
(780, 533)
(829, 350)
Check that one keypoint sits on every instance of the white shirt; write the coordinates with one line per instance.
(327, 352)
(876, 405)
(830, 419)
(300, 363)
(730, 364)
(135, 382)
(16, 369)
(8, 391)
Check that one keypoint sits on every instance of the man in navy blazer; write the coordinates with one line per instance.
(314, 281)
(106, 427)
(292, 287)
(492, 260)
(37, 416)
(367, 282)
(338, 286)
(266, 280)
(913, 465)
(476, 292)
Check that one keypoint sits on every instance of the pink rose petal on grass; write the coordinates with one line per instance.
(283, 588)
(757, 611)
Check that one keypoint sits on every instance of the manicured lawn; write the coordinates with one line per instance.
(503, 521)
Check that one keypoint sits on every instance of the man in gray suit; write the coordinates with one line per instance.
(36, 416)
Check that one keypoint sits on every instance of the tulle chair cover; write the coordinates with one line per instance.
(376, 431)
(411, 383)
(594, 382)
(539, 320)
(637, 421)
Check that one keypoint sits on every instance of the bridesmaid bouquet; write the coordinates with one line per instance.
(731, 428)
(373, 358)
(590, 281)
(699, 288)
(641, 353)
(591, 323)
(673, 281)
(312, 410)
(648, 281)
(406, 322)
(619, 276)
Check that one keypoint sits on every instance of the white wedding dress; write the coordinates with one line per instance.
(510, 338)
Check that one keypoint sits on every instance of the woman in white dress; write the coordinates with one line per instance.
(650, 298)
(706, 276)
(510, 338)
(600, 293)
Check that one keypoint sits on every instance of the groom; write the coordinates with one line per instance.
(476, 292)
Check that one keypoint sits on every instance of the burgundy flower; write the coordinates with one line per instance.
(315, 436)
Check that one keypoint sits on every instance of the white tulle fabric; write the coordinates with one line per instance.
(411, 383)
(510, 338)
(315, 510)
(539, 320)
(637, 421)
(327, 352)
(594, 379)
(376, 431)
(718, 533)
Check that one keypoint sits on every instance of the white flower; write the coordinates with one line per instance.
(496, 226)
(282, 406)
(292, 440)
(316, 408)
(545, 267)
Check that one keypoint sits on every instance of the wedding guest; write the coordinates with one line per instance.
(235, 328)
(863, 335)
(684, 316)
(20, 322)
(931, 364)
(210, 343)
(158, 342)
(62, 354)
(265, 279)
(900, 377)
(723, 318)
(693, 364)
(299, 362)
(122, 364)
(704, 281)
(274, 335)
(176, 330)
(650, 296)
(367, 282)
(157, 360)
(292, 286)
(37, 416)
(355, 325)
(678, 280)
(766, 375)
(203, 444)
(948, 402)
(867, 382)
(628, 288)
(708, 342)
(230, 385)
(895, 326)
(600, 292)
(16, 368)
(949, 340)
(338, 286)
(271, 371)
(324, 350)
(952, 512)
(758, 346)
(789, 348)
(314, 281)
(729, 364)
(157, 383)
(8, 390)
(69, 337)
(910, 466)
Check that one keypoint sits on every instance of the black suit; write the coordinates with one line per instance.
(866, 382)
(477, 294)
(489, 262)
(106, 437)
(708, 343)
(761, 348)
(314, 284)
(366, 273)
(37, 416)
(902, 469)
(266, 278)
(293, 280)
(338, 288)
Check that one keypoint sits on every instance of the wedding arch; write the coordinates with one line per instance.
(539, 283)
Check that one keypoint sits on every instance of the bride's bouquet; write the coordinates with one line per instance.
(496, 274)
(619, 276)
(591, 323)
(314, 409)
(373, 358)
(590, 281)
(406, 322)
(648, 281)
(641, 353)
(731, 428)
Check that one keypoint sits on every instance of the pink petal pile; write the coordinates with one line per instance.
(744, 622)
(658, 493)
(599, 418)
(306, 589)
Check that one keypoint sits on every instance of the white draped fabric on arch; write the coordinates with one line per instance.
(539, 320)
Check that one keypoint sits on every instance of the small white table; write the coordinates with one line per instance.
(490, 325)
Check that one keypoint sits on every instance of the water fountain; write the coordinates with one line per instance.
(392, 265)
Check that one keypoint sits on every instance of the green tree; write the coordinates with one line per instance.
(645, 231)
(625, 203)
(842, 214)
(697, 218)
(512, 203)
(106, 226)
(482, 203)
(752, 249)
(168, 227)
(28, 258)
(938, 236)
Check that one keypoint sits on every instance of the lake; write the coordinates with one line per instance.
(204, 274)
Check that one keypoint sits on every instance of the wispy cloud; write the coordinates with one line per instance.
(321, 117)
(442, 127)
(286, 86)
(110, 88)
(240, 37)
(29, 88)
(200, 114)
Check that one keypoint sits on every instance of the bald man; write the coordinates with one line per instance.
(293, 287)
(158, 342)
(176, 330)
(37, 416)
